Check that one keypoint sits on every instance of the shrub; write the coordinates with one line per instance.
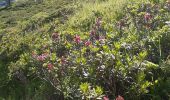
(122, 59)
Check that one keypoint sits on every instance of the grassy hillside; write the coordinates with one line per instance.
(23, 12)
(85, 49)
(20, 26)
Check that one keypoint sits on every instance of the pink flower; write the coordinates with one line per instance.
(55, 36)
(87, 43)
(147, 16)
(42, 57)
(119, 98)
(50, 66)
(77, 39)
(105, 98)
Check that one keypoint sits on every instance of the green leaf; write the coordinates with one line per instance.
(84, 87)
(149, 64)
(99, 90)
(117, 45)
(94, 49)
(53, 57)
(142, 54)
(106, 48)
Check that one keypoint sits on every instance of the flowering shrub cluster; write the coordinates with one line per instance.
(126, 59)
(107, 64)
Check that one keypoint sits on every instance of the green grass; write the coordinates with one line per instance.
(88, 11)
(26, 12)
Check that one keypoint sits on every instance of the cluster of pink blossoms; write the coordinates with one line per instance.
(41, 57)
(147, 17)
(50, 66)
(77, 39)
(119, 98)
(92, 34)
(87, 43)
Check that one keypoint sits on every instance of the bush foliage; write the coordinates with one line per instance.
(114, 51)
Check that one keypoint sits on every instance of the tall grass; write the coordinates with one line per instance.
(109, 10)
(89, 10)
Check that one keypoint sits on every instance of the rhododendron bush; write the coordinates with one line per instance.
(117, 61)
(126, 59)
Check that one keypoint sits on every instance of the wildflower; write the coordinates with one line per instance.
(42, 57)
(77, 39)
(87, 43)
(119, 98)
(50, 66)
(55, 36)
(147, 16)
(105, 98)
